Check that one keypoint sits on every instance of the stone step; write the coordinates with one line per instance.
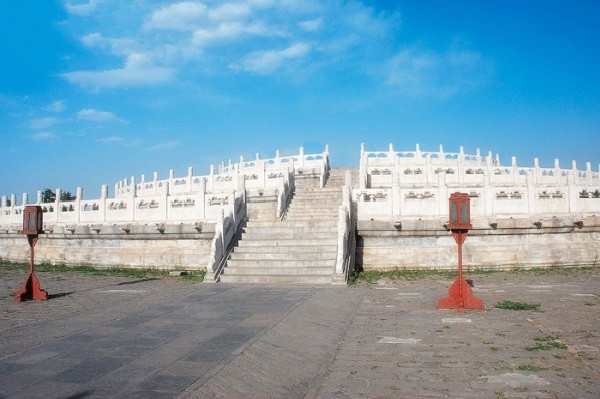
(282, 263)
(325, 213)
(304, 206)
(308, 242)
(290, 230)
(300, 223)
(261, 199)
(277, 279)
(284, 256)
(287, 271)
(318, 191)
(303, 218)
(262, 205)
(287, 235)
(290, 249)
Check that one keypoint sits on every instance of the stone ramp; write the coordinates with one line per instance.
(290, 359)
(301, 249)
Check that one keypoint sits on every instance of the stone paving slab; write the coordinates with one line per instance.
(106, 337)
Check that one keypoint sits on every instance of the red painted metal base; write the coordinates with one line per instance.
(31, 289)
(455, 300)
(460, 294)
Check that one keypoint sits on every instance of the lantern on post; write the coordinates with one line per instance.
(32, 227)
(460, 295)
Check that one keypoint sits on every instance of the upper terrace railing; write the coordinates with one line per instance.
(417, 184)
(257, 173)
(380, 169)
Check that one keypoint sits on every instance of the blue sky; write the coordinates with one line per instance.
(93, 91)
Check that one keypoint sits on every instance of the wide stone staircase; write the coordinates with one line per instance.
(300, 249)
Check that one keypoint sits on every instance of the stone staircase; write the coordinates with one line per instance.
(302, 248)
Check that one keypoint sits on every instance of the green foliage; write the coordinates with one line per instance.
(546, 343)
(196, 276)
(531, 367)
(49, 196)
(193, 276)
(510, 305)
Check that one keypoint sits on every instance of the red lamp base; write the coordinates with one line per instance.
(454, 300)
(31, 290)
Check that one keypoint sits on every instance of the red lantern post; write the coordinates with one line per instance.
(32, 226)
(460, 295)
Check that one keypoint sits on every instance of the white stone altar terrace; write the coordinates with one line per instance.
(395, 203)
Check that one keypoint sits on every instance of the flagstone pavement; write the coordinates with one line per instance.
(118, 337)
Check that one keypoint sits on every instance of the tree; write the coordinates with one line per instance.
(49, 196)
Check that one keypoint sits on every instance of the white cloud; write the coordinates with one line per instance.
(182, 16)
(124, 46)
(420, 72)
(228, 31)
(169, 145)
(265, 62)
(56, 106)
(230, 11)
(43, 136)
(43, 123)
(138, 71)
(83, 10)
(93, 115)
(311, 25)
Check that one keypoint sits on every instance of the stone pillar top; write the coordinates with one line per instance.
(25, 199)
(79, 193)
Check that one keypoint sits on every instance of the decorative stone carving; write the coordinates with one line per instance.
(96, 227)
(160, 227)
(71, 228)
(125, 227)
(90, 207)
(218, 201)
(413, 195)
(179, 203)
(198, 226)
(116, 206)
(147, 205)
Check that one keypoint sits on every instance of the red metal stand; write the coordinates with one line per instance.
(31, 287)
(460, 295)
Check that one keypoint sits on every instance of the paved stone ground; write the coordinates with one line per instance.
(102, 337)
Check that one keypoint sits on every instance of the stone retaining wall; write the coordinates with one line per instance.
(142, 249)
(381, 246)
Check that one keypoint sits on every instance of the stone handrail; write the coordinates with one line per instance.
(226, 230)
(346, 235)
(284, 193)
